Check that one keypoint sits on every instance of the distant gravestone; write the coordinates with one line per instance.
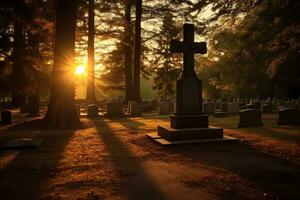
(290, 104)
(250, 117)
(209, 108)
(289, 116)
(164, 108)
(224, 107)
(254, 106)
(114, 109)
(220, 114)
(274, 105)
(134, 109)
(233, 108)
(267, 108)
(24, 108)
(92, 111)
(6, 117)
(34, 105)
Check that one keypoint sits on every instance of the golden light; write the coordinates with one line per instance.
(80, 70)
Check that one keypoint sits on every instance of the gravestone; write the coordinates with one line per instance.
(188, 123)
(24, 108)
(134, 109)
(267, 108)
(224, 107)
(164, 108)
(254, 106)
(6, 117)
(289, 116)
(233, 108)
(209, 108)
(114, 109)
(250, 117)
(92, 111)
(290, 104)
(34, 105)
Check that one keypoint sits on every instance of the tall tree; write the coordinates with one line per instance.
(61, 109)
(90, 95)
(137, 52)
(127, 48)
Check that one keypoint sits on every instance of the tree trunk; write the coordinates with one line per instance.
(17, 78)
(137, 52)
(127, 47)
(90, 95)
(61, 109)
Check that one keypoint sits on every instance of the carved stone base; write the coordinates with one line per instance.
(189, 121)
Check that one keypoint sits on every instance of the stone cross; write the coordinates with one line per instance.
(188, 47)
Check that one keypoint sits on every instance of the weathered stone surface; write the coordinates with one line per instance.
(289, 116)
(134, 109)
(92, 111)
(6, 117)
(250, 117)
(114, 109)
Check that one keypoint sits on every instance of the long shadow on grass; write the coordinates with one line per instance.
(135, 182)
(269, 173)
(28, 174)
(128, 123)
(273, 133)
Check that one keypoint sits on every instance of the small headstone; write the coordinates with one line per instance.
(209, 108)
(289, 116)
(6, 117)
(164, 108)
(220, 114)
(24, 108)
(135, 109)
(250, 117)
(34, 105)
(290, 104)
(114, 109)
(92, 111)
(267, 108)
(224, 107)
(233, 108)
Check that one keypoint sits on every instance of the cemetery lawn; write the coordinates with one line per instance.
(113, 159)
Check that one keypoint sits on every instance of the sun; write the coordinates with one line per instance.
(80, 70)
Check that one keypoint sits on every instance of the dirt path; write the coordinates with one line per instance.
(113, 159)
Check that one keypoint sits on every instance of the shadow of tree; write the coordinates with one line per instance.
(135, 182)
(28, 174)
(128, 123)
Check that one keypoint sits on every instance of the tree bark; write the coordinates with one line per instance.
(127, 47)
(90, 95)
(137, 52)
(17, 77)
(61, 109)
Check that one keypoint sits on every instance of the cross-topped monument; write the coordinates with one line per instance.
(188, 47)
(188, 124)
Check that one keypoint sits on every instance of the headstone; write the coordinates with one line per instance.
(224, 107)
(274, 105)
(250, 117)
(290, 104)
(289, 116)
(233, 108)
(134, 109)
(253, 106)
(34, 105)
(6, 117)
(209, 108)
(220, 114)
(267, 108)
(24, 108)
(188, 123)
(92, 111)
(164, 108)
(114, 109)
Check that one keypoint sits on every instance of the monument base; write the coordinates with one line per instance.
(189, 121)
(173, 134)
